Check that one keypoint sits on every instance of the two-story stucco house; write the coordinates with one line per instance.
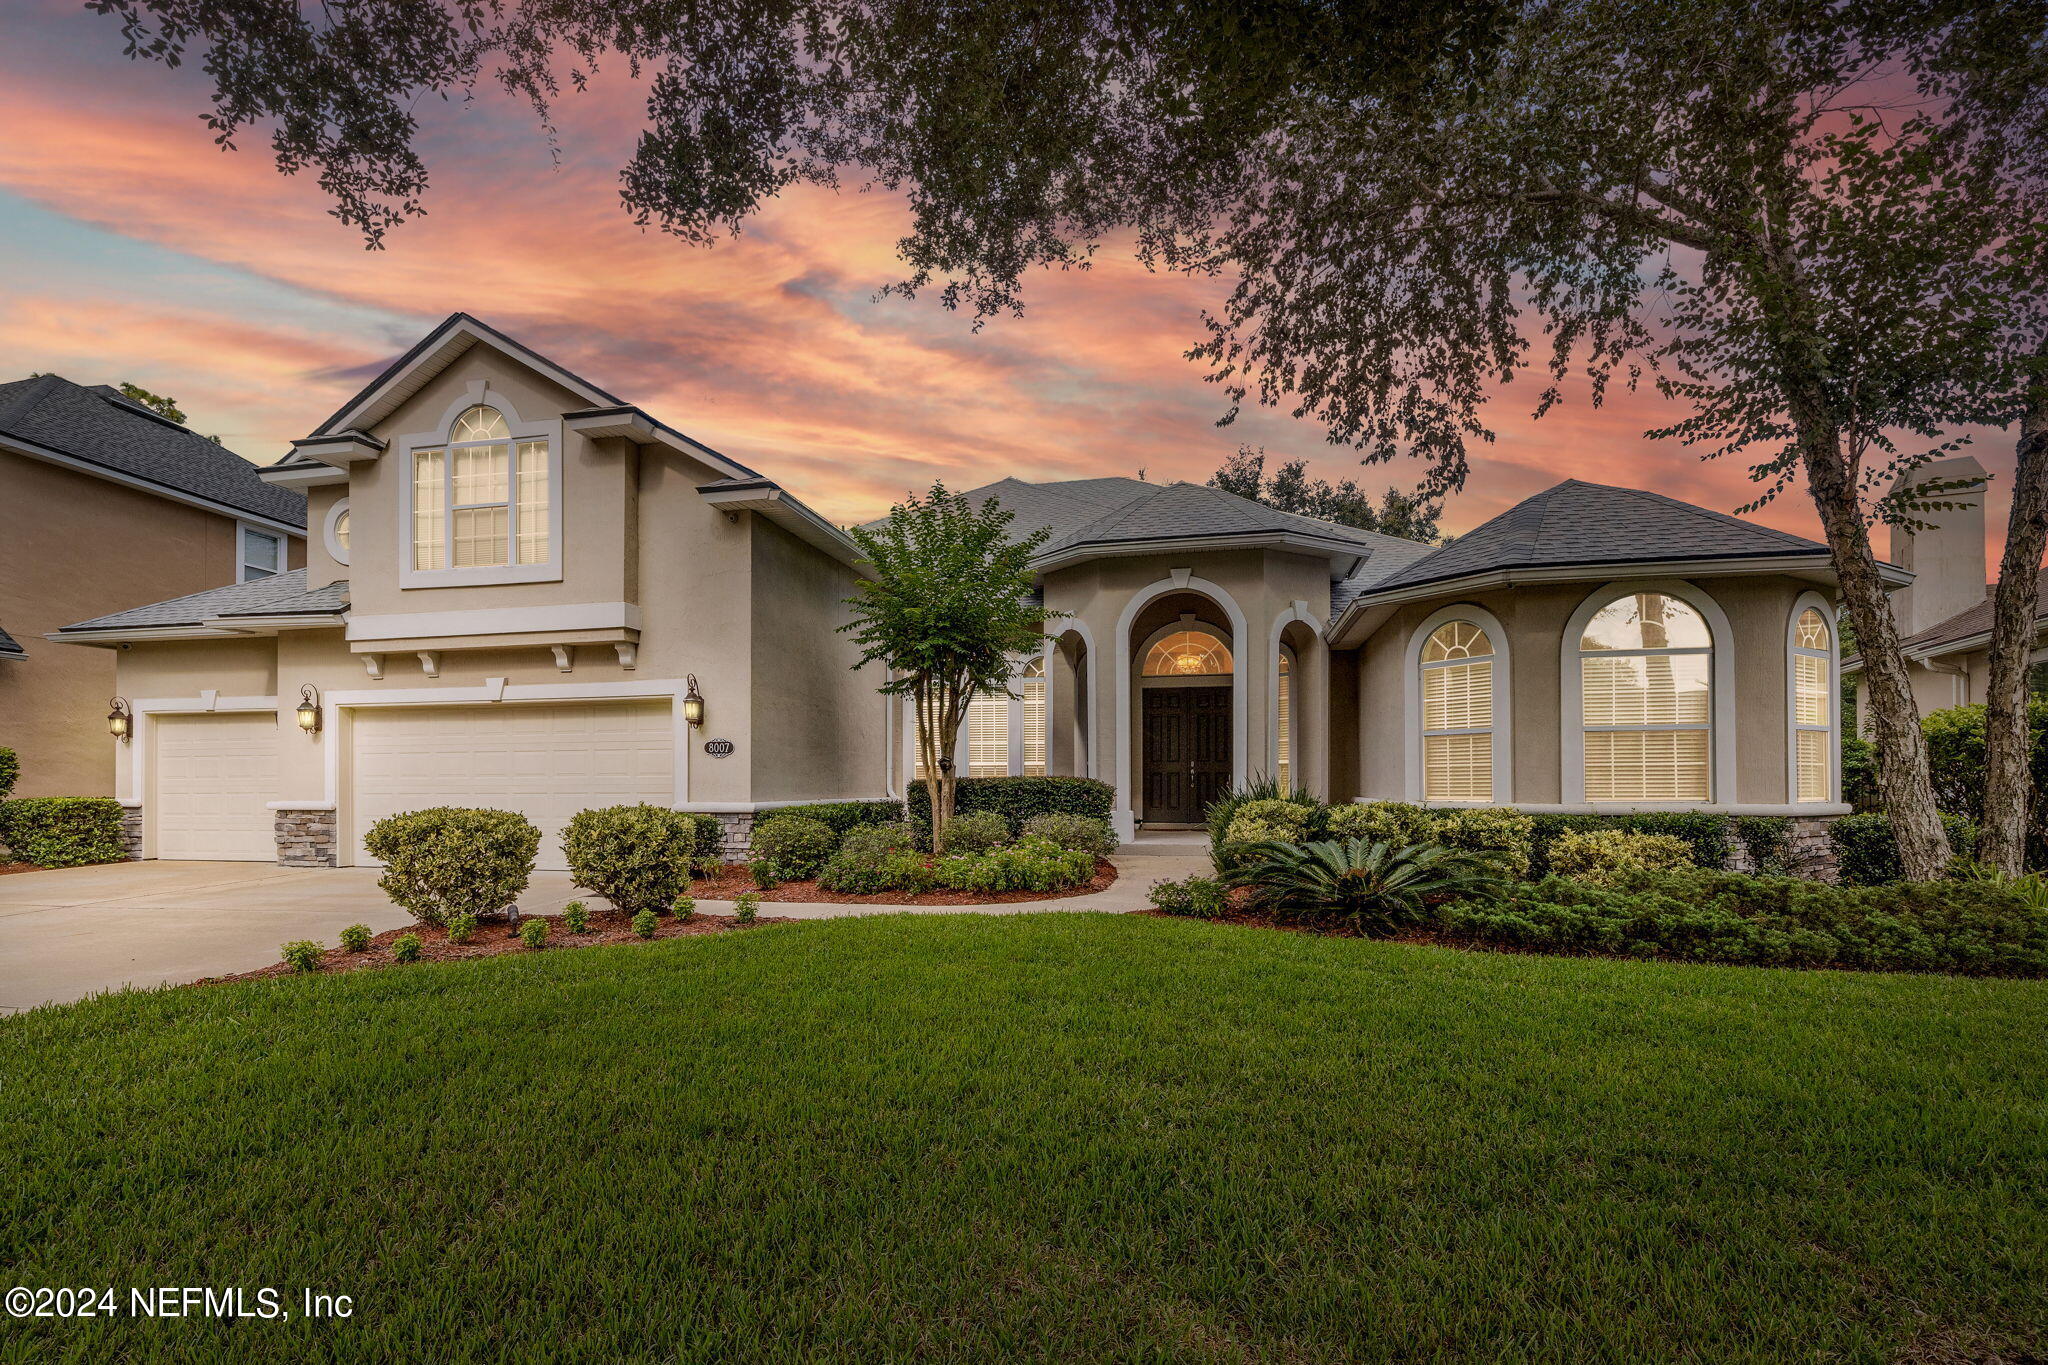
(520, 589)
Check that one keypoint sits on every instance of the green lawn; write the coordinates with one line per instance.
(1061, 1137)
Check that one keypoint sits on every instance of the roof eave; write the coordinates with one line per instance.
(36, 451)
(1334, 550)
(765, 498)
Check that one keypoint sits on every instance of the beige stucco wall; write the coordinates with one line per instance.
(73, 547)
(1758, 609)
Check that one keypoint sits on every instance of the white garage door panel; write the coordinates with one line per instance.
(546, 762)
(215, 775)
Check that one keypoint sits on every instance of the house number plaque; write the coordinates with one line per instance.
(718, 748)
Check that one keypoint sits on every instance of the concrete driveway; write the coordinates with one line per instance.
(79, 931)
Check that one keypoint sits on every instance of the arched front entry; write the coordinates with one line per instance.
(1180, 702)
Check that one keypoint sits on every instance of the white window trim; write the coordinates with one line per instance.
(1503, 703)
(1721, 707)
(1013, 765)
(1800, 605)
(1298, 759)
(550, 431)
(331, 536)
(243, 530)
(1123, 765)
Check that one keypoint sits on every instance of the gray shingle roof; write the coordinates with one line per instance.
(1590, 523)
(281, 594)
(100, 427)
(1971, 621)
(10, 648)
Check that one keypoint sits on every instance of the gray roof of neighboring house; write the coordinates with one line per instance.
(1968, 623)
(10, 648)
(98, 426)
(1591, 523)
(281, 594)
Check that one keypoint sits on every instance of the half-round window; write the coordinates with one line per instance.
(1646, 664)
(1457, 713)
(1188, 654)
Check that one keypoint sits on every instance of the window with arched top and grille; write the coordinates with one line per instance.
(1813, 707)
(1188, 654)
(1003, 734)
(1646, 666)
(1457, 713)
(480, 500)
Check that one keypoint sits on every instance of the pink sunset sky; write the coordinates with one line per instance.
(138, 250)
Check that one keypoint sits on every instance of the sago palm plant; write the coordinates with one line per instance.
(1376, 888)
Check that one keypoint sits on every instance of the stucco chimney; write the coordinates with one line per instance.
(1947, 559)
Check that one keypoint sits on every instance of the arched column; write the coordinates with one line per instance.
(1071, 667)
(1309, 704)
(1122, 767)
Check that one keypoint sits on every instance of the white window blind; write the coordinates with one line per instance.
(1033, 688)
(476, 503)
(1283, 762)
(1457, 714)
(988, 735)
(1813, 707)
(1646, 699)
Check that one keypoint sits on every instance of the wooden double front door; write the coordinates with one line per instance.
(1186, 752)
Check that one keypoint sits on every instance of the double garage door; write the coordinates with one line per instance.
(216, 774)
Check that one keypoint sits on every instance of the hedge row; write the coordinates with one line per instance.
(1017, 799)
(1867, 854)
(63, 831)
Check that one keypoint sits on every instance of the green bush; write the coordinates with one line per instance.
(1978, 928)
(977, 831)
(765, 875)
(1378, 822)
(643, 924)
(1195, 898)
(1017, 799)
(796, 845)
(876, 841)
(1079, 833)
(449, 860)
(841, 816)
(746, 908)
(1220, 812)
(405, 948)
(710, 845)
(576, 917)
(1371, 889)
(857, 872)
(1866, 854)
(355, 938)
(637, 857)
(1504, 837)
(1268, 821)
(533, 932)
(1710, 836)
(684, 908)
(1027, 865)
(1859, 773)
(10, 772)
(301, 955)
(1602, 855)
(461, 929)
(63, 831)
(1768, 840)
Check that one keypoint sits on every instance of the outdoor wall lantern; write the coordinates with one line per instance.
(693, 703)
(309, 709)
(120, 724)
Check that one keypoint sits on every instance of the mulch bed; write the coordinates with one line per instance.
(733, 880)
(494, 937)
(6, 868)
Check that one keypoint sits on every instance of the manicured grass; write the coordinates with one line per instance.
(1051, 1137)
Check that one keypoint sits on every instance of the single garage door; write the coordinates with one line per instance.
(215, 775)
(545, 761)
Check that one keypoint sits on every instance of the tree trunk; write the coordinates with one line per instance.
(929, 747)
(1905, 789)
(2008, 776)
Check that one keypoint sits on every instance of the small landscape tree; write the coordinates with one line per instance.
(947, 606)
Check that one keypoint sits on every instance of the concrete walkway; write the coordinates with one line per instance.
(78, 931)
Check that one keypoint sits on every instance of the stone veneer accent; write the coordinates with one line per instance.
(307, 837)
(1809, 850)
(131, 831)
(738, 827)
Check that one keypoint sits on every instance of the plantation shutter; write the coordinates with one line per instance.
(988, 735)
(1813, 708)
(1034, 726)
(1457, 714)
(1457, 767)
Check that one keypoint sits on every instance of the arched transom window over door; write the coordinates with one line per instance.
(1813, 707)
(1646, 670)
(1457, 713)
(1188, 654)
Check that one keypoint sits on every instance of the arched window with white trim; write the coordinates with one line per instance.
(1646, 667)
(1457, 713)
(1813, 707)
(1283, 755)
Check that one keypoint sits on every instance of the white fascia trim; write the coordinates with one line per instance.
(1634, 808)
(108, 639)
(704, 454)
(48, 456)
(1586, 573)
(465, 333)
(776, 504)
(317, 477)
(614, 422)
(1329, 548)
(348, 447)
(1503, 701)
(265, 625)
(1570, 707)
(425, 625)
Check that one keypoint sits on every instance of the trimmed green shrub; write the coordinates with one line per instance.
(533, 932)
(450, 860)
(1707, 834)
(1195, 898)
(1273, 821)
(859, 873)
(977, 831)
(796, 845)
(1027, 865)
(764, 874)
(63, 831)
(1220, 812)
(876, 841)
(1866, 854)
(684, 908)
(637, 857)
(1977, 928)
(405, 948)
(710, 838)
(355, 938)
(301, 955)
(1379, 822)
(1602, 855)
(643, 924)
(841, 816)
(746, 908)
(10, 772)
(576, 917)
(461, 929)
(1504, 837)
(1859, 773)
(1017, 799)
(1077, 833)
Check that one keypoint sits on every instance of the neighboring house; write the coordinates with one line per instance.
(103, 505)
(1945, 616)
(515, 577)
